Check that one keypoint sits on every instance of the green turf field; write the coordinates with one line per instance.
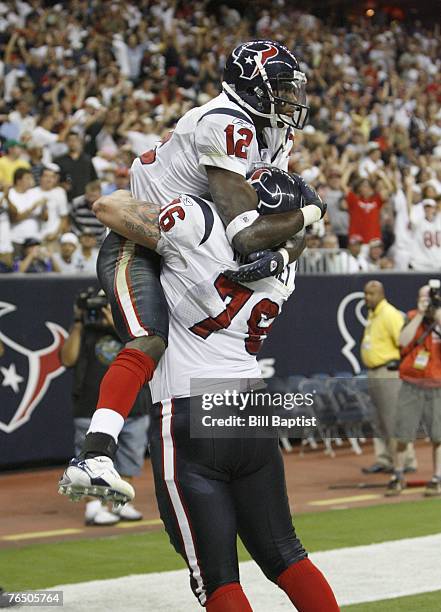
(427, 602)
(45, 565)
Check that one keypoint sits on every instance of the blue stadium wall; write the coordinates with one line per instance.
(319, 331)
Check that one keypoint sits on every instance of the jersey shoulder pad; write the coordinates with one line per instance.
(185, 223)
(223, 138)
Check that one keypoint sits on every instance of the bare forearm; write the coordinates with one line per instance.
(295, 246)
(134, 219)
(25, 263)
(71, 348)
(408, 332)
(16, 216)
(268, 231)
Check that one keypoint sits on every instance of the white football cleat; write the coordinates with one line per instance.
(97, 514)
(128, 513)
(95, 477)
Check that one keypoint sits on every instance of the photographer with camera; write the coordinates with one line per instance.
(91, 347)
(420, 394)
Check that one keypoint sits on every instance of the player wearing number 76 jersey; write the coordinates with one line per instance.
(210, 490)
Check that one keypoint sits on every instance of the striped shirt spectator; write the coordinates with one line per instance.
(82, 216)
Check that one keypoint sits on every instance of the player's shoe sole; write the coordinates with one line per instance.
(95, 478)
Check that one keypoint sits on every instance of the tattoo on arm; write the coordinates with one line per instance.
(141, 221)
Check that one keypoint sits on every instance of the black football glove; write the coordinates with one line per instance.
(261, 265)
(310, 196)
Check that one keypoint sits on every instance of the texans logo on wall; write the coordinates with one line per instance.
(25, 374)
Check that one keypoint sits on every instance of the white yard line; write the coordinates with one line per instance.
(357, 574)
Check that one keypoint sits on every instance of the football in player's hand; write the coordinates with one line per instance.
(276, 190)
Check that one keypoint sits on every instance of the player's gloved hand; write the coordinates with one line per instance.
(311, 198)
(261, 264)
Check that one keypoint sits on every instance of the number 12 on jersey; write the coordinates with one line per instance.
(237, 146)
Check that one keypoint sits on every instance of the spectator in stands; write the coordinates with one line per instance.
(352, 260)
(22, 118)
(312, 254)
(6, 248)
(82, 216)
(384, 121)
(44, 138)
(121, 181)
(401, 248)
(27, 209)
(364, 207)
(34, 258)
(11, 161)
(76, 167)
(90, 348)
(334, 196)
(425, 227)
(332, 257)
(35, 154)
(65, 260)
(56, 203)
(375, 254)
(371, 163)
(380, 354)
(86, 256)
(420, 393)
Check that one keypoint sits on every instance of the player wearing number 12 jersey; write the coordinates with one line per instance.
(212, 149)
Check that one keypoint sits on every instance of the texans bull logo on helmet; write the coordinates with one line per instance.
(26, 374)
(244, 57)
(261, 182)
(265, 79)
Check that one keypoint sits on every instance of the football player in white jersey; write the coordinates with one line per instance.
(211, 489)
(212, 149)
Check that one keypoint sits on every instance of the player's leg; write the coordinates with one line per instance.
(196, 507)
(130, 457)
(410, 408)
(432, 417)
(129, 276)
(265, 526)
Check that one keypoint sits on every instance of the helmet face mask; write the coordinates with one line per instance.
(289, 96)
(264, 78)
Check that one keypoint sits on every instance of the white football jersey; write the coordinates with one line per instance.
(216, 326)
(219, 133)
(425, 253)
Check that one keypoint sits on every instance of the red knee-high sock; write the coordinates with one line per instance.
(228, 598)
(307, 588)
(120, 386)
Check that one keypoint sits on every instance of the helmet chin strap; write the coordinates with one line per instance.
(230, 91)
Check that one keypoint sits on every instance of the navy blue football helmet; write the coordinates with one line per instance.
(277, 190)
(264, 78)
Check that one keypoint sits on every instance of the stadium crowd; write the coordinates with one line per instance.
(87, 86)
